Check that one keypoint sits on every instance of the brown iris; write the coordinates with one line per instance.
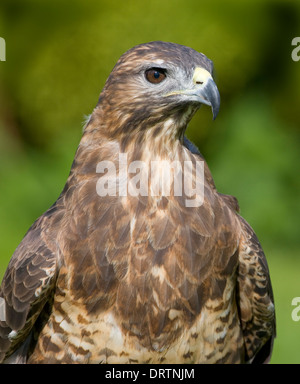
(155, 75)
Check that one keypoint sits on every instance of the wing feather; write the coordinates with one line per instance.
(255, 297)
(25, 289)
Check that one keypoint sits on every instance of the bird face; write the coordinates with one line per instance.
(164, 77)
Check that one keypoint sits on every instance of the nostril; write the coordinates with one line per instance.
(199, 82)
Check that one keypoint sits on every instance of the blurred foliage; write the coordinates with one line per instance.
(59, 54)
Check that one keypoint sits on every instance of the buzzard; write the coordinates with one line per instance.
(151, 266)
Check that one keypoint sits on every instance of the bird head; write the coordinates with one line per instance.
(157, 82)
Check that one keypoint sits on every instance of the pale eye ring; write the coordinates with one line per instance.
(155, 75)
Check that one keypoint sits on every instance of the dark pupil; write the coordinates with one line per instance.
(156, 74)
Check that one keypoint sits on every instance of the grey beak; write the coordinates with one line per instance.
(210, 95)
(203, 90)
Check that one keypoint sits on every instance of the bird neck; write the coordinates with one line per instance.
(137, 133)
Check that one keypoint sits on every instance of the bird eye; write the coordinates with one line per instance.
(155, 75)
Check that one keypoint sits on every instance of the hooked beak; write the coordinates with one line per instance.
(210, 95)
(203, 90)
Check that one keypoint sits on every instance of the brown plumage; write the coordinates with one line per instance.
(140, 277)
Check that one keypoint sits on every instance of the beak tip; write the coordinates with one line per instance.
(215, 112)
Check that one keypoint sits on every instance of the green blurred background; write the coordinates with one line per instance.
(58, 55)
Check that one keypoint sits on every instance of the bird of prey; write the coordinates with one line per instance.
(126, 268)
